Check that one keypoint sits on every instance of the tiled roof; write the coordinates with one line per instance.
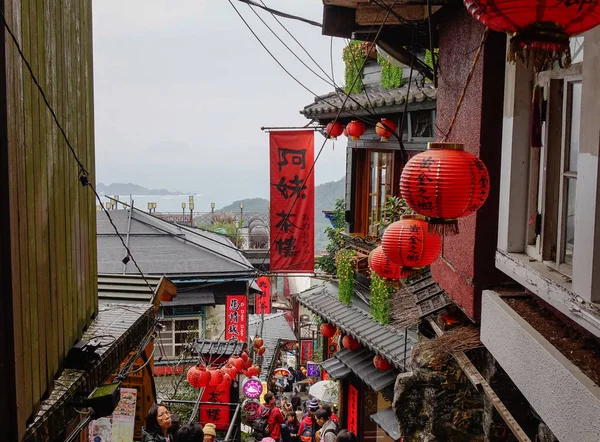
(275, 329)
(326, 106)
(223, 349)
(429, 296)
(386, 419)
(191, 298)
(386, 341)
(164, 248)
(360, 361)
(336, 368)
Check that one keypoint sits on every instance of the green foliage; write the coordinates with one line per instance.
(345, 273)
(393, 209)
(326, 262)
(229, 228)
(391, 76)
(380, 299)
(184, 392)
(354, 57)
(428, 60)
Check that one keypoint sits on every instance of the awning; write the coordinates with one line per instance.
(361, 363)
(191, 298)
(222, 349)
(335, 368)
(386, 419)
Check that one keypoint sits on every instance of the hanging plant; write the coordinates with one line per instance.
(428, 59)
(380, 299)
(391, 76)
(326, 262)
(354, 57)
(345, 274)
(392, 211)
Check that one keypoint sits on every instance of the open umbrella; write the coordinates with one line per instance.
(325, 391)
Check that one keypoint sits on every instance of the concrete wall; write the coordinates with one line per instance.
(467, 263)
(565, 398)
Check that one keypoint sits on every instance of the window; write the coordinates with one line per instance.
(553, 170)
(421, 125)
(176, 334)
(380, 187)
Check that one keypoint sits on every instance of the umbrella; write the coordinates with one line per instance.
(281, 373)
(325, 391)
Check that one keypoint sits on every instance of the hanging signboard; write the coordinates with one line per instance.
(120, 426)
(262, 301)
(306, 351)
(217, 414)
(353, 409)
(292, 201)
(236, 318)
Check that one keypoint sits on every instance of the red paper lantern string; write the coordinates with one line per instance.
(383, 266)
(385, 129)
(409, 245)
(445, 183)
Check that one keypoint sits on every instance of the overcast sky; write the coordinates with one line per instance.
(182, 89)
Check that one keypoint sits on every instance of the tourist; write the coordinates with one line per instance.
(190, 433)
(269, 419)
(346, 436)
(328, 429)
(308, 426)
(210, 433)
(158, 425)
(331, 409)
(296, 400)
(289, 429)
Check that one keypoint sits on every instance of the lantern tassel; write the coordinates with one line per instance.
(410, 272)
(540, 48)
(441, 226)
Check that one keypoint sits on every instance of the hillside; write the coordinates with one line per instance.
(130, 189)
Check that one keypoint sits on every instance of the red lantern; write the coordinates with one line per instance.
(334, 130)
(237, 363)
(258, 342)
(226, 381)
(385, 129)
(445, 183)
(261, 350)
(328, 330)
(252, 371)
(198, 377)
(216, 377)
(382, 265)
(408, 244)
(350, 343)
(248, 363)
(355, 129)
(244, 356)
(381, 363)
(230, 371)
(540, 29)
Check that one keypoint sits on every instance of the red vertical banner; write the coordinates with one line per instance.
(292, 201)
(262, 301)
(306, 350)
(352, 409)
(236, 318)
(216, 414)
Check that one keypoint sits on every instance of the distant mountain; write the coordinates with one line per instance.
(131, 189)
(250, 205)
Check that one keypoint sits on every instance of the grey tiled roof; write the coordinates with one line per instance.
(191, 298)
(335, 368)
(275, 328)
(428, 296)
(360, 361)
(164, 248)
(386, 419)
(224, 349)
(386, 341)
(326, 106)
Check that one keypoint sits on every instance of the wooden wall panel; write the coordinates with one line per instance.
(52, 217)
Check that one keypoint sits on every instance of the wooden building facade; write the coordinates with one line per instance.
(48, 268)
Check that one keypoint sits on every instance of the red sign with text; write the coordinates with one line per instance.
(306, 350)
(353, 409)
(262, 301)
(292, 201)
(217, 414)
(236, 318)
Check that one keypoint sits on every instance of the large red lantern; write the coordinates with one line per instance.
(198, 377)
(445, 183)
(409, 244)
(381, 364)
(385, 129)
(382, 265)
(216, 377)
(237, 363)
(540, 29)
(328, 330)
(350, 343)
(355, 129)
(334, 130)
(258, 342)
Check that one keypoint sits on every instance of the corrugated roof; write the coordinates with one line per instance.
(164, 248)
(192, 298)
(386, 419)
(360, 361)
(130, 288)
(386, 341)
(275, 328)
(223, 349)
(326, 106)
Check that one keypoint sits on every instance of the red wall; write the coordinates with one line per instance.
(467, 263)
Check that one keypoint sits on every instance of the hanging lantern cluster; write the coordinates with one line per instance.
(445, 183)
(540, 29)
(200, 376)
(328, 330)
(381, 363)
(258, 342)
(385, 128)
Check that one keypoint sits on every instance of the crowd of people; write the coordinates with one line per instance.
(277, 421)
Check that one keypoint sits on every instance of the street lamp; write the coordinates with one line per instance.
(183, 208)
(242, 214)
(151, 207)
(191, 205)
(212, 207)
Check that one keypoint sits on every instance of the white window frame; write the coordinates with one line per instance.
(168, 339)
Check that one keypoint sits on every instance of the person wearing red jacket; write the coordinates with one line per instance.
(275, 418)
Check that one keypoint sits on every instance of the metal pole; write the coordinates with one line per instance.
(229, 435)
(405, 343)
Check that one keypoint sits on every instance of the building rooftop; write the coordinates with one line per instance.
(275, 329)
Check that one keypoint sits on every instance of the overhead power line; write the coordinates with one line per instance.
(282, 14)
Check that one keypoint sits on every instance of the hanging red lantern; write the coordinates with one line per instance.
(382, 265)
(252, 371)
(408, 244)
(258, 342)
(350, 343)
(216, 377)
(237, 363)
(355, 129)
(198, 376)
(248, 363)
(385, 129)
(445, 183)
(540, 29)
(230, 371)
(334, 130)
(244, 356)
(328, 330)
(261, 350)
(381, 363)
(226, 382)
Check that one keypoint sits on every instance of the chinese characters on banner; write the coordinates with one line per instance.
(292, 201)
(236, 318)
(306, 350)
(262, 301)
(217, 414)
(352, 409)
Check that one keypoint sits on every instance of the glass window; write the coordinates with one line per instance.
(421, 124)
(380, 186)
